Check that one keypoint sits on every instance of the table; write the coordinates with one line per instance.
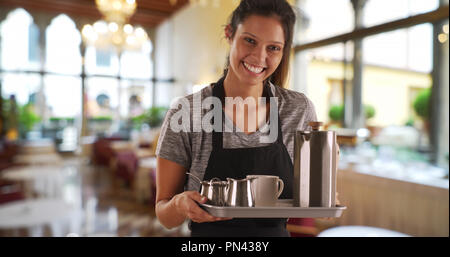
(144, 179)
(46, 181)
(122, 145)
(360, 231)
(38, 159)
(38, 147)
(34, 215)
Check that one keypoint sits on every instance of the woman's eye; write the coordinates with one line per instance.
(250, 40)
(274, 48)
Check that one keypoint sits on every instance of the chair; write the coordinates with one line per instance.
(10, 191)
(302, 227)
(127, 164)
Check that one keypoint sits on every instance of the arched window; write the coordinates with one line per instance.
(137, 65)
(62, 92)
(18, 45)
(63, 46)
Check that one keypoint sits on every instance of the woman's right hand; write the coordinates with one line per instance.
(186, 204)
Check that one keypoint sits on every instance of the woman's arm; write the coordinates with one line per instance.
(173, 205)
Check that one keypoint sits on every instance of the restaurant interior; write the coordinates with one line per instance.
(85, 86)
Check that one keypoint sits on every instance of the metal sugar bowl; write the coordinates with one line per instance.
(215, 190)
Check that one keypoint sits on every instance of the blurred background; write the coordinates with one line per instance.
(85, 86)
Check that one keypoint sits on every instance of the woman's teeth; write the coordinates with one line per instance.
(253, 69)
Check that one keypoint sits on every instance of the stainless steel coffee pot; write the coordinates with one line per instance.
(315, 159)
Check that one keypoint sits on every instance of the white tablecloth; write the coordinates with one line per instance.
(38, 159)
(62, 218)
(143, 179)
(360, 231)
(46, 181)
(38, 147)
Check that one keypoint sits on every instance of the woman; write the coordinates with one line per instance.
(260, 35)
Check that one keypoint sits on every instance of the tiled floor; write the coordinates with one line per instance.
(134, 218)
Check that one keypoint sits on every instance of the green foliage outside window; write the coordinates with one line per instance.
(422, 104)
(153, 117)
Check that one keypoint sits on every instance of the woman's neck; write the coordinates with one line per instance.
(234, 88)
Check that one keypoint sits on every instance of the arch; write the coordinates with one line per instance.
(15, 40)
(63, 46)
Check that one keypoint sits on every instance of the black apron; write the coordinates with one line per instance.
(237, 163)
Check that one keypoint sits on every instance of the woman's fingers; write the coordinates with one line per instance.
(196, 213)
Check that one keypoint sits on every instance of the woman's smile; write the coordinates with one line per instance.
(253, 69)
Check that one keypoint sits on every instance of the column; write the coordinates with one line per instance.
(358, 118)
(439, 102)
(3, 13)
(83, 130)
(299, 74)
(42, 21)
(152, 35)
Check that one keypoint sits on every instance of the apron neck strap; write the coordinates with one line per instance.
(219, 91)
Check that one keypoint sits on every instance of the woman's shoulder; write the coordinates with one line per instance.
(292, 99)
(191, 99)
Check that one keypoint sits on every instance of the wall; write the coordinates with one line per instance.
(190, 47)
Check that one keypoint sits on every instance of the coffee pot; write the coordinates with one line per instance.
(315, 159)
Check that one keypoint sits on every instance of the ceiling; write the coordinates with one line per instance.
(149, 12)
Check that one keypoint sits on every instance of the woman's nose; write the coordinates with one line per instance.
(260, 54)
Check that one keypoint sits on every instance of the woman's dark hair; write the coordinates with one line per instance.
(279, 9)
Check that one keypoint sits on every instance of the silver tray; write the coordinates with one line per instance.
(283, 209)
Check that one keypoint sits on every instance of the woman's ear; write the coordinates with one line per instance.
(228, 33)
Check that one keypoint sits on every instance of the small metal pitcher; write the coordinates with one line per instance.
(239, 193)
(215, 191)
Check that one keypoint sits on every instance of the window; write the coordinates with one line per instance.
(103, 58)
(137, 64)
(33, 43)
(398, 9)
(392, 64)
(320, 24)
(396, 67)
(409, 49)
(63, 46)
(15, 42)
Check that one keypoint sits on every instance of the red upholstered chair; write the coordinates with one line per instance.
(7, 152)
(10, 192)
(102, 151)
(127, 164)
(302, 227)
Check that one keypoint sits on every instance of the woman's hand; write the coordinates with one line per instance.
(186, 204)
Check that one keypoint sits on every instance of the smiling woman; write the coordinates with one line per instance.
(260, 36)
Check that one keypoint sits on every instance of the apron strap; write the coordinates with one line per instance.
(219, 91)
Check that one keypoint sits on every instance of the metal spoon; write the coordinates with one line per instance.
(198, 179)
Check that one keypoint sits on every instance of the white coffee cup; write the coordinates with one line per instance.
(266, 189)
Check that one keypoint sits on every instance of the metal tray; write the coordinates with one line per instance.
(283, 209)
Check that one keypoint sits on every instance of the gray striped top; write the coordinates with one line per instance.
(192, 149)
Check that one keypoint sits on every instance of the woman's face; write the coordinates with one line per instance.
(256, 49)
